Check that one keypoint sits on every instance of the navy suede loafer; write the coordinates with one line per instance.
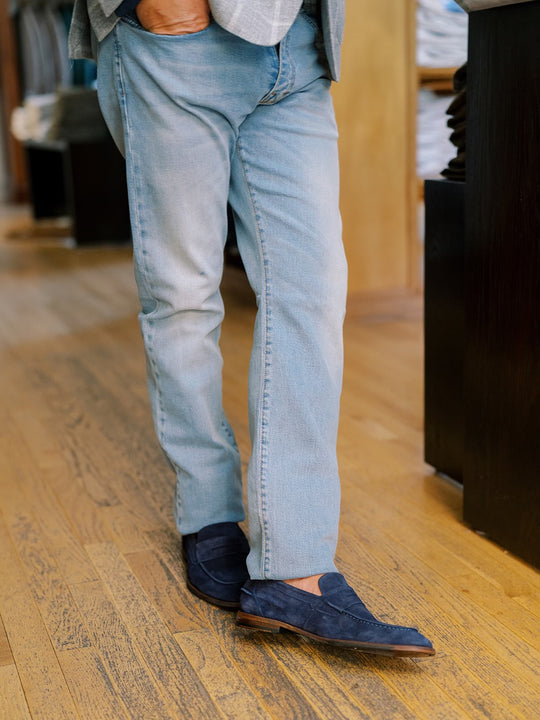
(337, 617)
(216, 563)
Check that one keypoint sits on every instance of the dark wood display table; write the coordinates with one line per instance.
(85, 181)
(496, 441)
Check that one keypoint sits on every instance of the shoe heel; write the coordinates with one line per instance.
(253, 622)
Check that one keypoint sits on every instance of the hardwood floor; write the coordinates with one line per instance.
(95, 619)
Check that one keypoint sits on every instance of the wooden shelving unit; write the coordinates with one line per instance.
(436, 79)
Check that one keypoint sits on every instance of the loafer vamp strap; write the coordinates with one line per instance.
(216, 548)
(346, 600)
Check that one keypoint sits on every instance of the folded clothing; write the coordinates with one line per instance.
(441, 33)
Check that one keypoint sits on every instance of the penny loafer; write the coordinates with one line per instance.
(216, 563)
(337, 617)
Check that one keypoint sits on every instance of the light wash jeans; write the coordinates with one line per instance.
(204, 119)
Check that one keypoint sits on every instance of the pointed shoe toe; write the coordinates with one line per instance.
(337, 617)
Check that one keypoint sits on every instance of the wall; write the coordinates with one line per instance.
(375, 106)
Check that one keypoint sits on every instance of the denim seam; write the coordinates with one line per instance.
(265, 366)
(138, 225)
(306, 16)
(292, 67)
(275, 95)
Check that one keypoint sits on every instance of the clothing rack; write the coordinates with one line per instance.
(34, 61)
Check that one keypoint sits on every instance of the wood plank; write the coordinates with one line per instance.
(310, 677)
(521, 582)
(69, 381)
(479, 590)
(40, 437)
(364, 678)
(468, 553)
(182, 613)
(122, 660)
(43, 683)
(168, 545)
(124, 529)
(176, 676)
(127, 491)
(182, 685)
(172, 672)
(118, 401)
(166, 591)
(419, 685)
(54, 310)
(91, 687)
(211, 663)
(401, 678)
(281, 695)
(360, 677)
(82, 449)
(458, 629)
(46, 470)
(6, 658)
(40, 322)
(134, 605)
(49, 590)
(78, 505)
(120, 425)
(13, 705)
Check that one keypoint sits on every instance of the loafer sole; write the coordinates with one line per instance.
(254, 622)
(225, 604)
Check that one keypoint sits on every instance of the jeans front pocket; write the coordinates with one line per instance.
(132, 20)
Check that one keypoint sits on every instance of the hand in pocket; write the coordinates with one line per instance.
(173, 17)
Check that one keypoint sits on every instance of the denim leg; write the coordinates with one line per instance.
(200, 118)
(285, 194)
(177, 148)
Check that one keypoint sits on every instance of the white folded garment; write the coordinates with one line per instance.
(433, 147)
(33, 120)
(441, 34)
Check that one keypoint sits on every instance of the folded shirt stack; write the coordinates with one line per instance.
(441, 33)
(458, 124)
(442, 28)
(433, 146)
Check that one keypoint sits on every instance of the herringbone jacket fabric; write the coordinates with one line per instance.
(263, 22)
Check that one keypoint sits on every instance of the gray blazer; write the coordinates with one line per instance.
(263, 22)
